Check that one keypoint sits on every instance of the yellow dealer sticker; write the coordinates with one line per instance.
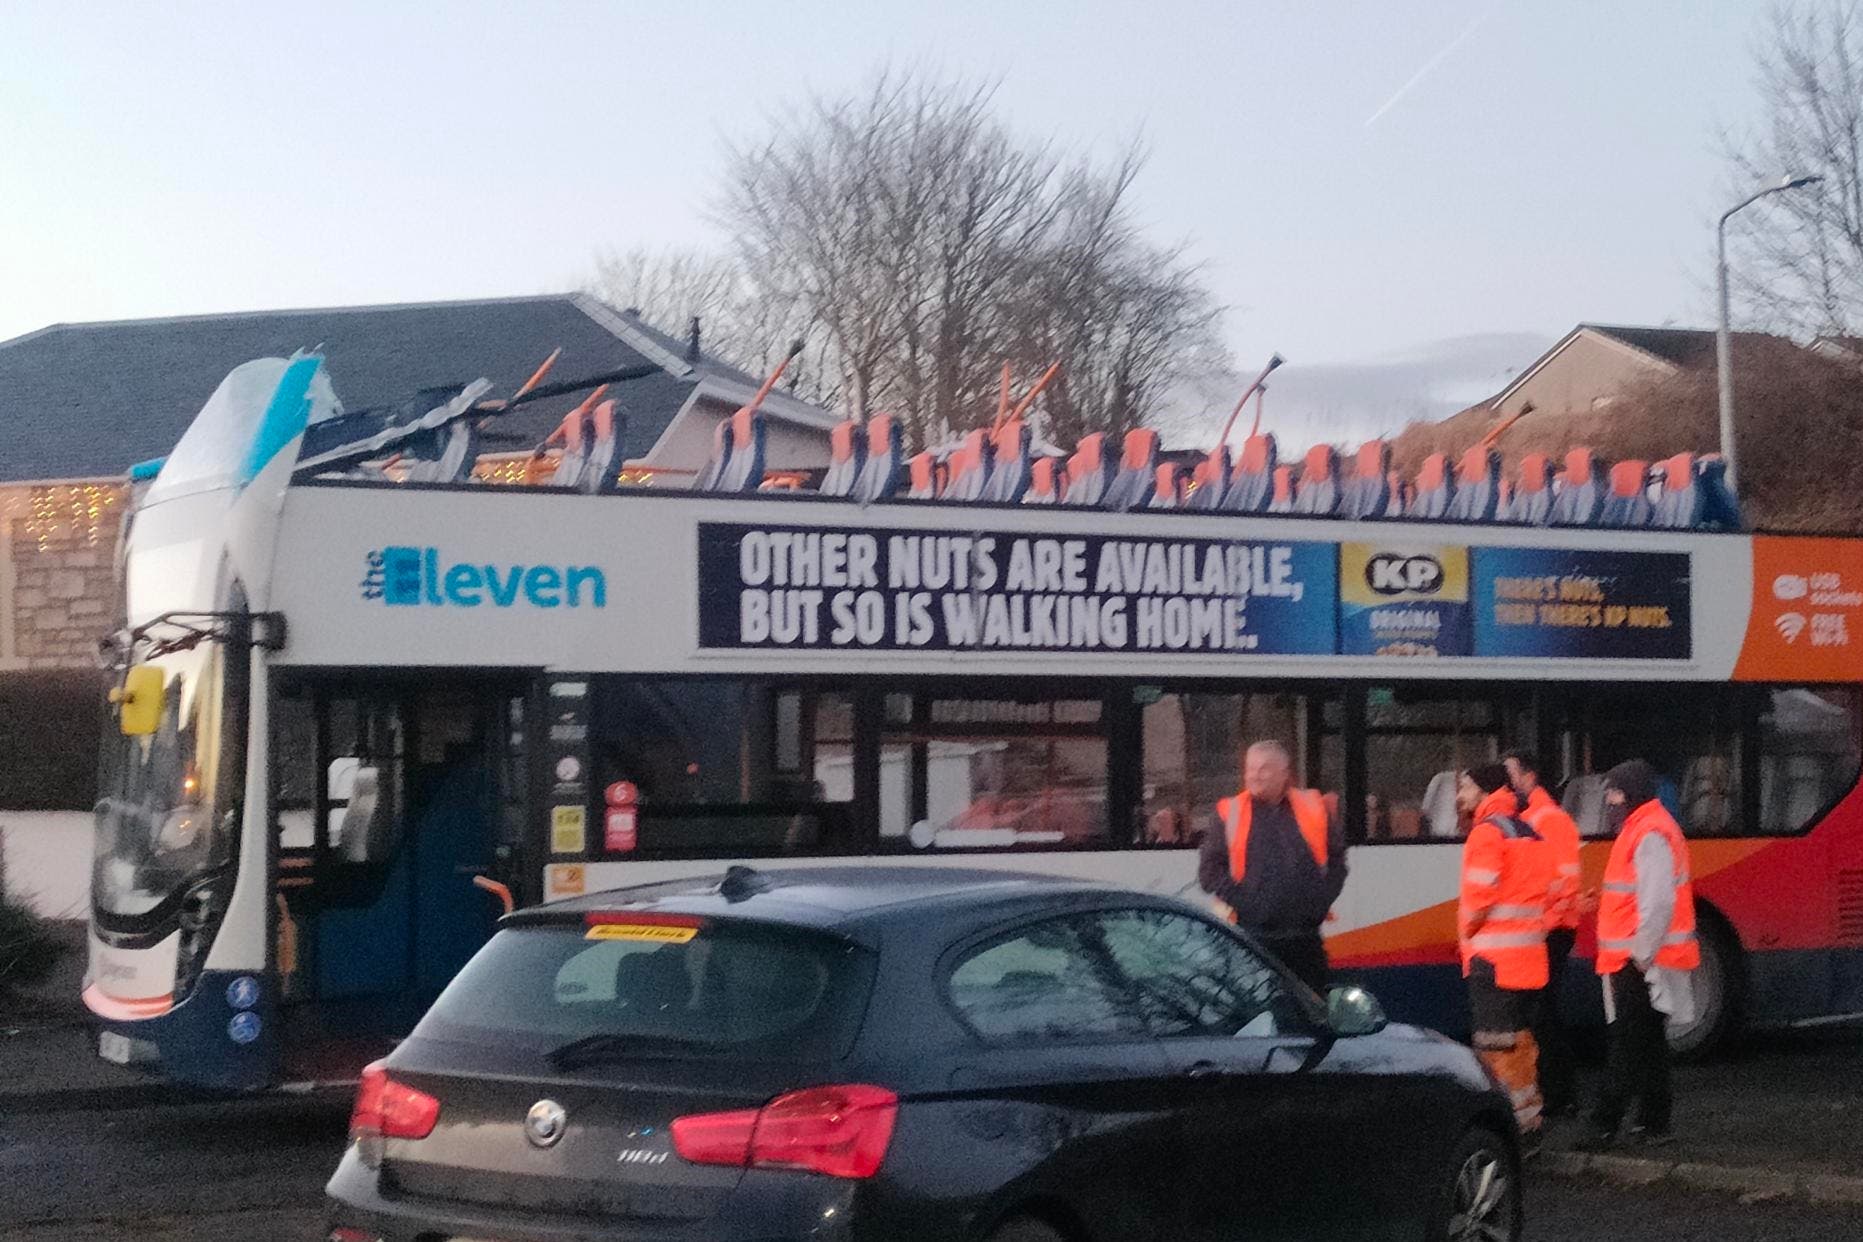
(659, 933)
(566, 829)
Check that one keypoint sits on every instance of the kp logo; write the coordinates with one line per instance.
(1390, 574)
(403, 577)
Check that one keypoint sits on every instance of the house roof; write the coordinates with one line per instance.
(89, 400)
(1667, 349)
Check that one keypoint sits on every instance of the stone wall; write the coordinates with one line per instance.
(57, 572)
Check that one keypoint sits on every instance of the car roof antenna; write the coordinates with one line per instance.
(742, 883)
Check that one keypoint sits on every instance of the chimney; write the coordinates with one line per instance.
(692, 341)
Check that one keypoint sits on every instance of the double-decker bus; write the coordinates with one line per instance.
(359, 712)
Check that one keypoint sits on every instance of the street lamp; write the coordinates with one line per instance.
(1723, 341)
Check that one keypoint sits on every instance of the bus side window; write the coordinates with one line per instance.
(1417, 739)
(294, 725)
(1808, 752)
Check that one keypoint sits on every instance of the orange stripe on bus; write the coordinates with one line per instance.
(1434, 927)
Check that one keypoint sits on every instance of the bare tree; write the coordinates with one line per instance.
(1800, 256)
(928, 244)
(740, 325)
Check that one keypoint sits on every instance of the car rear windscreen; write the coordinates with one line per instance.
(720, 989)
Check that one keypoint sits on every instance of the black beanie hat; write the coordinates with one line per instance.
(1636, 778)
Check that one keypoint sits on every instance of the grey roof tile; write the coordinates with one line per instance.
(92, 399)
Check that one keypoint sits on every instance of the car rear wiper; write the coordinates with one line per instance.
(591, 1049)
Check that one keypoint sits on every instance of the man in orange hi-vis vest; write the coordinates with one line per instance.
(1507, 871)
(1647, 953)
(1276, 861)
(1558, 1077)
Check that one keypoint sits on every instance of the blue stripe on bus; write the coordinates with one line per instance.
(285, 417)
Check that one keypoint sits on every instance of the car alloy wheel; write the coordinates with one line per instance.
(1483, 1206)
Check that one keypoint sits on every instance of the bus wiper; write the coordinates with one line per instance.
(592, 1049)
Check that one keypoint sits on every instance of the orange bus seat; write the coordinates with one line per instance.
(1317, 493)
(1251, 483)
(1435, 489)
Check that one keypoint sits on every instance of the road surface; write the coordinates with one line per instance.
(226, 1172)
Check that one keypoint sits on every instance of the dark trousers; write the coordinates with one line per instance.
(1637, 1064)
(1304, 953)
(1558, 1077)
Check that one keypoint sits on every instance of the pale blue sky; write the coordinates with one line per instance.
(1554, 162)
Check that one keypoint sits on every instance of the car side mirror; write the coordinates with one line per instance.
(1353, 1011)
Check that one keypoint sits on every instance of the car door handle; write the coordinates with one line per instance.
(1204, 1069)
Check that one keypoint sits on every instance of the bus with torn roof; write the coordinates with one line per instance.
(371, 692)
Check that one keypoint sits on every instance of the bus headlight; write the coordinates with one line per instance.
(181, 828)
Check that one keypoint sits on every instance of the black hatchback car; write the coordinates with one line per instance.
(899, 1053)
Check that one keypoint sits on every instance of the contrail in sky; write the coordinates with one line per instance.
(1429, 67)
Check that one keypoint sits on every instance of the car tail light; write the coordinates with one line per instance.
(343, 1233)
(389, 1109)
(839, 1131)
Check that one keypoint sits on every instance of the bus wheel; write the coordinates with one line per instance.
(1719, 982)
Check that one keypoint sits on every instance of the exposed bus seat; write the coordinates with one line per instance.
(1531, 502)
(879, 474)
(1009, 469)
(744, 471)
(1477, 486)
(707, 480)
(1087, 474)
(1720, 508)
(847, 452)
(607, 428)
(1165, 490)
(1435, 489)
(576, 432)
(459, 452)
(922, 477)
(1283, 499)
(969, 466)
(1251, 483)
(1367, 493)
(1626, 505)
(1317, 492)
(1679, 502)
(1041, 488)
(1209, 478)
(1578, 497)
(1131, 488)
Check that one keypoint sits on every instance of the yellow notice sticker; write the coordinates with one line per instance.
(566, 829)
(659, 933)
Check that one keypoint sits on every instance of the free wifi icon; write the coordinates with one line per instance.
(1790, 625)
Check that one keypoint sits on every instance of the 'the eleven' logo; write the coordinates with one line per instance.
(408, 577)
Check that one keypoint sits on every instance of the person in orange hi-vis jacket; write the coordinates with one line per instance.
(1507, 872)
(1647, 954)
(1276, 860)
(1558, 1077)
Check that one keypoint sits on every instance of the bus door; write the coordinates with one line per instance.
(379, 908)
